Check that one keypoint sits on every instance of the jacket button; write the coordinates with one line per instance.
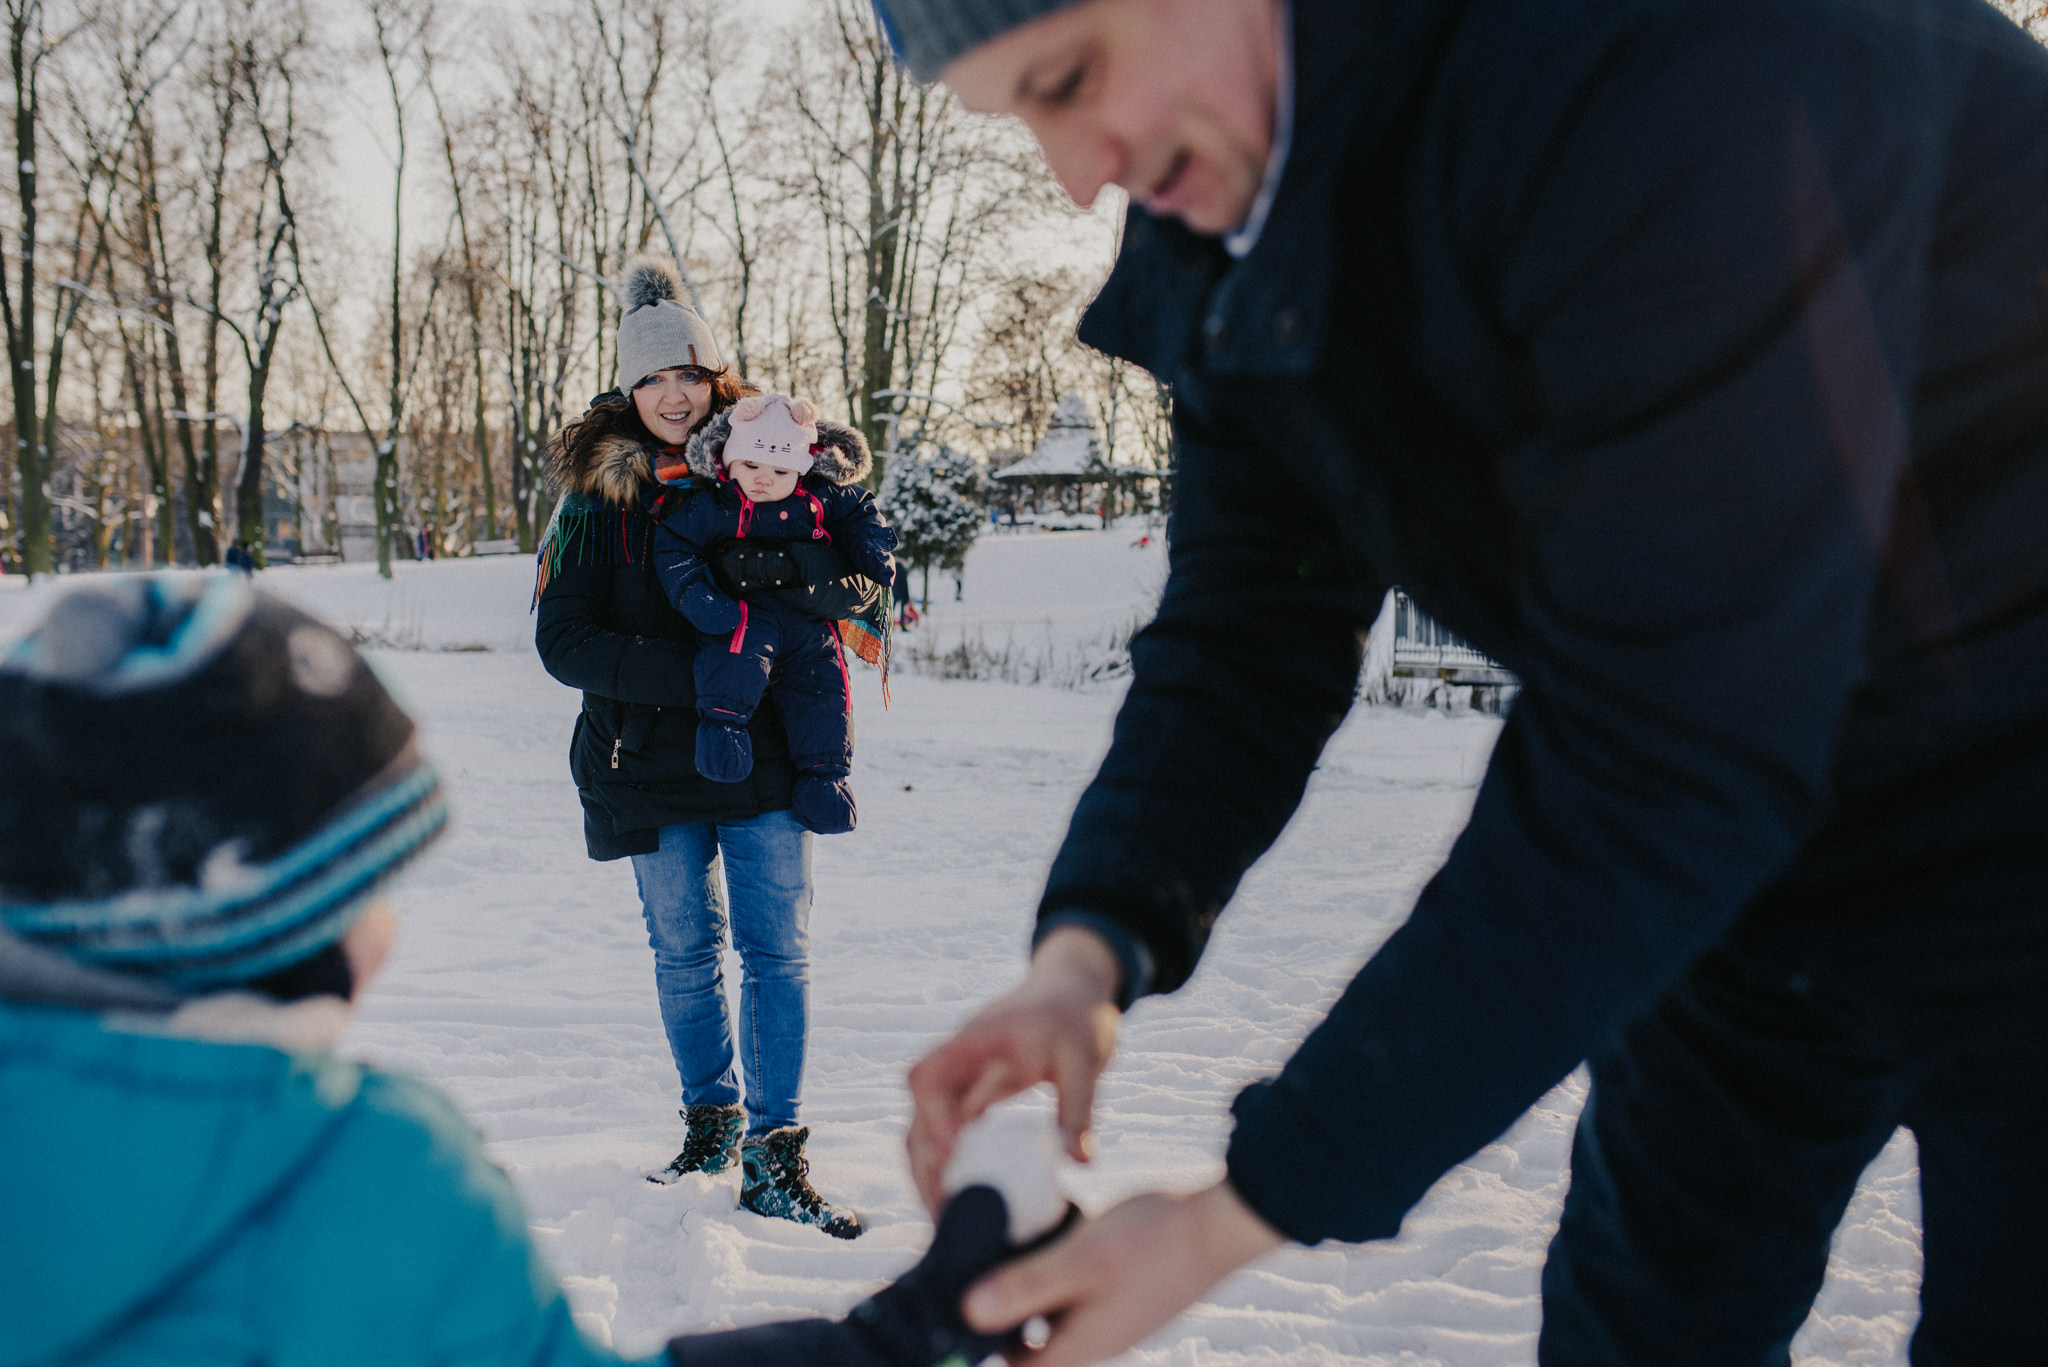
(1287, 326)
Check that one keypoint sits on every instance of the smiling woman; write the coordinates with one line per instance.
(707, 855)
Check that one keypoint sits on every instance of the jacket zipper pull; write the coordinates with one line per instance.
(615, 750)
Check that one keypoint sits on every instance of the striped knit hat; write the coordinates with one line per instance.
(927, 34)
(200, 785)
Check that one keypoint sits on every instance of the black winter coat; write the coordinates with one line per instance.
(1691, 358)
(603, 624)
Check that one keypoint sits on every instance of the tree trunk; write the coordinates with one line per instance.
(31, 444)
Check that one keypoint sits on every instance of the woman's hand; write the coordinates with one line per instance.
(1111, 1282)
(1057, 1026)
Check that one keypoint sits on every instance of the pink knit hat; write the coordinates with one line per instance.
(774, 430)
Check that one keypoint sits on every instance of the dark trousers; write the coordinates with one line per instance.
(795, 657)
(1726, 1129)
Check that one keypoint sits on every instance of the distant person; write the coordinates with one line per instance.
(239, 558)
(768, 470)
(1691, 359)
(905, 595)
(188, 1172)
(711, 858)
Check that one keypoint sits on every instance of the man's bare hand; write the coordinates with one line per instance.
(1110, 1283)
(1057, 1026)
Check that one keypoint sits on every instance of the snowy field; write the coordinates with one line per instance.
(523, 986)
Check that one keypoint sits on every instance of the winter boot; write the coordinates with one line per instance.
(711, 1141)
(823, 800)
(775, 1181)
(725, 753)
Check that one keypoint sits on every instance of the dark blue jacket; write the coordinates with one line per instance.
(602, 624)
(714, 514)
(1691, 358)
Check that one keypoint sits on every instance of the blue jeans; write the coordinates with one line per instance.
(765, 881)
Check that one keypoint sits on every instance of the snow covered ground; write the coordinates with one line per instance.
(523, 986)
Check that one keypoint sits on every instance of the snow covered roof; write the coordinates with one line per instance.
(1069, 446)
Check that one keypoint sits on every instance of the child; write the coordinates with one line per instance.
(772, 472)
(204, 789)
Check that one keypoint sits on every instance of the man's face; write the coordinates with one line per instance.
(1170, 99)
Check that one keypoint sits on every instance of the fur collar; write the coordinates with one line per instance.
(619, 470)
(842, 453)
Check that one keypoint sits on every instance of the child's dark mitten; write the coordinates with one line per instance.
(725, 753)
(708, 609)
(913, 1322)
(916, 1319)
(822, 800)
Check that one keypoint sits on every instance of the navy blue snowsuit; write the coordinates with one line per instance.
(1690, 357)
(757, 644)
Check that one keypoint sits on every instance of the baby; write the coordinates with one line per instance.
(768, 470)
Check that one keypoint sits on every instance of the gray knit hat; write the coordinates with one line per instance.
(927, 34)
(659, 330)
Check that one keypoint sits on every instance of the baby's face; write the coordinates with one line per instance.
(762, 483)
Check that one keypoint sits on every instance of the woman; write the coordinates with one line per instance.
(605, 626)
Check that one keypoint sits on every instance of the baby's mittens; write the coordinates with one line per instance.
(708, 609)
(822, 800)
(725, 752)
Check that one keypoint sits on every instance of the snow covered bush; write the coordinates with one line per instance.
(932, 496)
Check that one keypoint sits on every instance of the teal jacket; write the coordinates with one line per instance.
(170, 1201)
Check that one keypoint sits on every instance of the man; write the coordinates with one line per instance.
(1691, 358)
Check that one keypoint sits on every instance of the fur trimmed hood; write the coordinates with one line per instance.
(618, 469)
(842, 455)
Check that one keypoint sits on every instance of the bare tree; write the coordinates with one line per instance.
(911, 195)
(269, 73)
(220, 113)
(27, 50)
(400, 31)
(622, 33)
(473, 279)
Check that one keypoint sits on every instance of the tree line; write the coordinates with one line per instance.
(202, 330)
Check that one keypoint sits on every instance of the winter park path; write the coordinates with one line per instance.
(521, 984)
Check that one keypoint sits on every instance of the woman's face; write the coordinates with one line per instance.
(670, 402)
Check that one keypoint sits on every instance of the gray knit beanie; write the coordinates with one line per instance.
(659, 330)
(927, 34)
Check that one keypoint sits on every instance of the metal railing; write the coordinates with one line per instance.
(1425, 650)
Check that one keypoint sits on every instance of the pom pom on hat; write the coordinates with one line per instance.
(649, 280)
